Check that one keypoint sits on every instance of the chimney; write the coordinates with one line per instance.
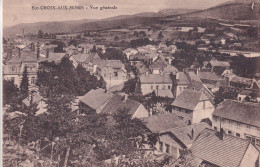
(221, 134)
(19, 52)
(192, 134)
(177, 75)
(47, 53)
(125, 97)
(38, 52)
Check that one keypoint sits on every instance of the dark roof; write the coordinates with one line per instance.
(96, 98)
(117, 102)
(156, 79)
(26, 56)
(184, 133)
(208, 76)
(241, 80)
(158, 65)
(228, 152)
(247, 113)
(189, 99)
(183, 79)
(160, 123)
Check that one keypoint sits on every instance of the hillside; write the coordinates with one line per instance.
(230, 11)
(86, 24)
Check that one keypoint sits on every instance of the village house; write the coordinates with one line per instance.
(215, 64)
(173, 141)
(100, 101)
(129, 52)
(136, 58)
(156, 83)
(192, 106)
(157, 67)
(217, 149)
(53, 57)
(91, 62)
(14, 68)
(182, 80)
(211, 80)
(253, 92)
(238, 119)
(36, 99)
(114, 73)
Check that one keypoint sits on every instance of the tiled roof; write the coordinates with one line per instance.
(158, 65)
(160, 123)
(215, 63)
(170, 69)
(208, 76)
(35, 99)
(96, 98)
(53, 57)
(114, 63)
(189, 99)
(164, 93)
(184, 133)
(155, 79)
(117, 102)
(26, 56)
(183, 79)
(81, 58)
(247, 113)
(225, 153)
(240, 80)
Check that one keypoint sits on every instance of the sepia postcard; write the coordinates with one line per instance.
(130, 83)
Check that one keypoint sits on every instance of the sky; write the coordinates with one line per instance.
(20, 11)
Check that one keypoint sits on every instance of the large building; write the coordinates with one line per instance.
(238, 119)
(160, 84)
(192, 106)
(14, 68)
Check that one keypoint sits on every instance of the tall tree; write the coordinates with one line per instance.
(24, 87)
(10, 92)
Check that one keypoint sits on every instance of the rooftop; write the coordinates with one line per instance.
(247, 113)
(96, 98)
(228, 152)
(189, 99)
(156, 79)
(160, 123)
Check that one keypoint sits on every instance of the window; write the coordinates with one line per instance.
(161, 146)
(33, 80)
(189, 122)
(167, 148)
(180, 88)
(239, 99)
(204, 104)
(169, 87)
(229, 132)
(12, 79)
(237, 134)
(157, 86)
(116, 74)
(248, 126)
(152, 87)
(215, 128)
(257, 142)
(238, 125)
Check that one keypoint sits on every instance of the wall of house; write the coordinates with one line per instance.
(204, 109)
(180, 88)
(251, 157)
(174, 147)
(141, 112)
(149, 88)
(184, 114)
(234, 128)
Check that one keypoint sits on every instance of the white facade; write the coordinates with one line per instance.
(149, 88)
(238, 129)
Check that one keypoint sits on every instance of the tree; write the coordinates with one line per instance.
(160, 35)
(40, 34)
(73, 42)
(116, 38)
(24, 86)
(10, 92)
